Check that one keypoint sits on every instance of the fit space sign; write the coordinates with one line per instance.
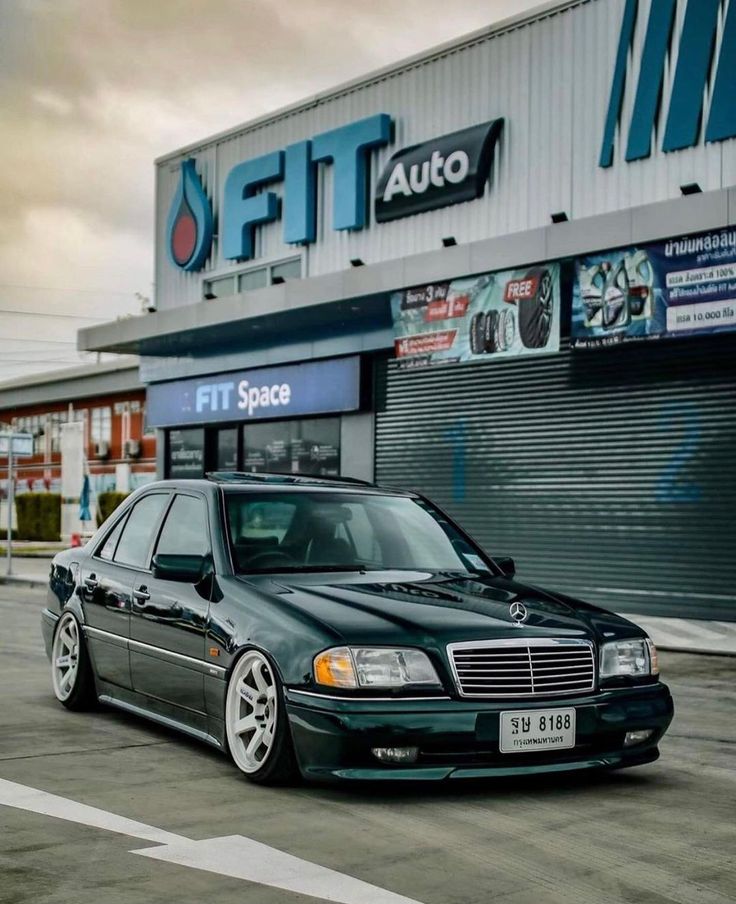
(316, 387)
(445, 170)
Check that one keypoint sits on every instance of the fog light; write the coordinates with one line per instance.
(396, 754)
(637, 737)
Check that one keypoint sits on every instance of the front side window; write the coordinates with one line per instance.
(135, 541)
(335, 531)
(185, 530)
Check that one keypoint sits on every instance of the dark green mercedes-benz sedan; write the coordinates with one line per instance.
(342, 630)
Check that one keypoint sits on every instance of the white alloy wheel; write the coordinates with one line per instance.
(65, 657)
(251, 712)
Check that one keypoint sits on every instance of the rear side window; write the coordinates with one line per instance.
(107, 550)
(185, 530)
(137, 535)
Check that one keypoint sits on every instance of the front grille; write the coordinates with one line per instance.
(530, 668)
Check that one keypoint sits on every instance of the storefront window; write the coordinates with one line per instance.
(227, 449)
(293, 447)
(186, 453)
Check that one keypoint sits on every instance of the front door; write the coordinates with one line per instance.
(168, 620)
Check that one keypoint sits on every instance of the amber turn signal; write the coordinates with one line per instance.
(334, 668)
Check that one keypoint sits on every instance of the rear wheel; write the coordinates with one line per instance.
(256, 724)
(71, 671)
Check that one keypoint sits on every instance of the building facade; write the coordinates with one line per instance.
(502, 272)
(110, 401)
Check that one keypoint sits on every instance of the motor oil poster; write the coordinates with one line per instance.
(681, 287)
(513, 312)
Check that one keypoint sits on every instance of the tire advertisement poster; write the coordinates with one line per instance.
(680, 287)
(512, 312)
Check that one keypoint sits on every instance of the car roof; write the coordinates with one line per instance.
(238, 480)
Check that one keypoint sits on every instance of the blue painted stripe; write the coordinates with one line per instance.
(651, 73)
(693, 65)
(619, 81)
(722, 118)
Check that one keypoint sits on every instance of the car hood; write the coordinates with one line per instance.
(425, 608)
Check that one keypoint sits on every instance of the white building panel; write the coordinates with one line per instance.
(548, 76)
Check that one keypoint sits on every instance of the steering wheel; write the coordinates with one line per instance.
(270, 555)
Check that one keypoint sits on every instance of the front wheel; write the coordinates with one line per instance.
(257, 728)
(71, 671)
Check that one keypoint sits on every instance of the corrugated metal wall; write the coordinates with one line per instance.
(607, 474)
(549, 78)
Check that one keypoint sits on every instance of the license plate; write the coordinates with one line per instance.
(537, 729)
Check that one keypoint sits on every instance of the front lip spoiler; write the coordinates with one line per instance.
(442, 773)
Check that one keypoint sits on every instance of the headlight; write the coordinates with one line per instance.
(374, 667)
(628, 658)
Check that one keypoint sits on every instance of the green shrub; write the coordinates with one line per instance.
(39, 516)
(107, 503)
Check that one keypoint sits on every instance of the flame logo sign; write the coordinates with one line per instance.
(190, 221)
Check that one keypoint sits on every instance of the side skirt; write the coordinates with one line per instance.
(166, 721)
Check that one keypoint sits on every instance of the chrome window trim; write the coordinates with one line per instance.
(522, 642)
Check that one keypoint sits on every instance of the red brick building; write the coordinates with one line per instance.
(111, 402)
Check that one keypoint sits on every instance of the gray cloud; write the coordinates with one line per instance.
(93, 90)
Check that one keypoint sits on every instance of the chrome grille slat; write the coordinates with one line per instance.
(523, 668)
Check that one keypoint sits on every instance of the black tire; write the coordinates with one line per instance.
(475, 333)
(490, 343)
(535, 314)
(279, 765)
(83, 694)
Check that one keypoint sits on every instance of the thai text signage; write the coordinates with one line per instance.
(682, 287)
(512, 312)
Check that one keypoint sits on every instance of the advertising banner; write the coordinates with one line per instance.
(681, 287)
(512, 312)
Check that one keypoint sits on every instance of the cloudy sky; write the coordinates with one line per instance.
(91, 91)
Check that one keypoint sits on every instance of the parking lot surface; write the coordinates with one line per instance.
(659, 833)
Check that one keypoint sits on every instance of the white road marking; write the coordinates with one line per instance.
(24, 798)
(233, 855)
(243, 858)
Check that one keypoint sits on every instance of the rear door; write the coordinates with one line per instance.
(168, 621)
(106, 586)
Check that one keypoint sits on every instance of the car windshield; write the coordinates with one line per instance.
(325, 531)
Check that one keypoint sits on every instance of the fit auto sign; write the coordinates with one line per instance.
(436, 173)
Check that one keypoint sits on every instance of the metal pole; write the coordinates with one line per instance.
(9, 496)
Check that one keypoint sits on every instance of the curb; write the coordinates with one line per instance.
(20, 580)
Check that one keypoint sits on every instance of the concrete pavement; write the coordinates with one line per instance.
(660, 833)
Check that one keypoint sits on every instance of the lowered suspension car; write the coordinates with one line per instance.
(342, 630)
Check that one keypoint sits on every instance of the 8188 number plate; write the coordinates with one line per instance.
(536, 729)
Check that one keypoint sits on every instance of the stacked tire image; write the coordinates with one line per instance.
(492, 331)
(535, 313)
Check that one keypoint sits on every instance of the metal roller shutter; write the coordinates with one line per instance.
(607, 474)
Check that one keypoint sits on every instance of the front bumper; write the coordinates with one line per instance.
(333, 737)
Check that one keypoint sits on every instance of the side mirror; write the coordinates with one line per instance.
(187, 569)
(506, 564)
